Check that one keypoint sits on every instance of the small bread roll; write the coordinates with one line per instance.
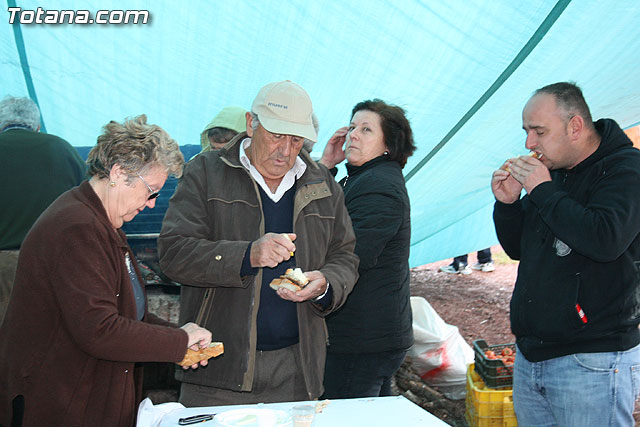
(192, 357)
(533, 154)
(280, 282)
(293, 279)
(297, 276)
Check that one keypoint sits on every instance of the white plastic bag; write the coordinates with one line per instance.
(150, 415)
(439, 355)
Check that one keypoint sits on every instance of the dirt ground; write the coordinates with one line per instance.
(478, 304)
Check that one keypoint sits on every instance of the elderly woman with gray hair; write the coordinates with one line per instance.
(77, 321)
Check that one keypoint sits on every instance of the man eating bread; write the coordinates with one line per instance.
(239, 219)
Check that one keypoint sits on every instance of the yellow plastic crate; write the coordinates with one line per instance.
(487, 407)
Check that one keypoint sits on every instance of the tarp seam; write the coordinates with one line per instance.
(24, 63)
(542, 30)
(632, 125)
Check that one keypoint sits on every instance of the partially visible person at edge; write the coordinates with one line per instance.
(460, 265)
(575, 307)
(35, 168)
(223, 238)
(77, 321)
(229, 122)
(370, 334)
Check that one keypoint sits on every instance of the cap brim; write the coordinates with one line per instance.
(288, 128)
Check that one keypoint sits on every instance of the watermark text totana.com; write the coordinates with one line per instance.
(42, 16)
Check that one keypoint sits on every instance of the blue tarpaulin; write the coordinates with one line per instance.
(463, 70)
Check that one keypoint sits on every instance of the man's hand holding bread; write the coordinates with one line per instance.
(316, 286)
(515, 174)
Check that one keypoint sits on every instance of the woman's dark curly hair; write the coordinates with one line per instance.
(398, 135)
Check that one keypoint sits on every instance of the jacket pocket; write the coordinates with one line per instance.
(316, 230)
(554, 312)
(205, 308)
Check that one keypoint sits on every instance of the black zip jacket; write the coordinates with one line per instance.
(377, 314)
(577, 239)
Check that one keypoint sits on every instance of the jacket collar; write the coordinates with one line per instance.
(353, 170)
(16, 126)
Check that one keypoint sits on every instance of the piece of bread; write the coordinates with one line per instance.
(293, 279)
(296, 276)
(279, 282)
(192, 357)
(533, 154)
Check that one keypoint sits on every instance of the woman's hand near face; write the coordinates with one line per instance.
(333, 153)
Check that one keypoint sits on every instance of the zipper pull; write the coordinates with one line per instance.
(583, 316)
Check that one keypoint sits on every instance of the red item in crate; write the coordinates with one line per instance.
(506, 355)
(494, 363)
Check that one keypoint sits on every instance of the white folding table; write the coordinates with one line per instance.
(375, 411)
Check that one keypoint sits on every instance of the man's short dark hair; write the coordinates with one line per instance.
(569, 97)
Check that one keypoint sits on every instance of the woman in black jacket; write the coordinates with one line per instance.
(370, 335)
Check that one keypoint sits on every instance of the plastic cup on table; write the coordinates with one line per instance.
(303, 415)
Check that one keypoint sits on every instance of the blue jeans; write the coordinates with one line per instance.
(583, 389)
(361, 374)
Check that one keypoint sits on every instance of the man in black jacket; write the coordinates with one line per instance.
(576, 304)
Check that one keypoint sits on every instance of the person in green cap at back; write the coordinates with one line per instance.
(229, 122)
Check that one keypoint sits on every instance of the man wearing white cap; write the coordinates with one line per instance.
(239, 218)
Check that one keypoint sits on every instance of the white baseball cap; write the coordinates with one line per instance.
(285, 108)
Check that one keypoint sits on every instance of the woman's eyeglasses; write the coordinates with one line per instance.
(153, 194)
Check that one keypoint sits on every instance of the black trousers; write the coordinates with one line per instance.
(360, 374)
